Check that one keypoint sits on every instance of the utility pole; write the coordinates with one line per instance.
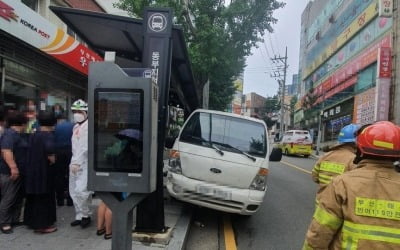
(319, 137)
(280, 75)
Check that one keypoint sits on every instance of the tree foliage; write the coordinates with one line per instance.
(272, 104)
(220, 34)
(271, 108)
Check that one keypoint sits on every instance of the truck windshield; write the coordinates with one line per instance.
(242, 135)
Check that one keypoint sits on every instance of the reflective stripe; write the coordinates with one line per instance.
(332, 167)
(326, 179)
(377, 208)
(353, 232)
(383, 144)
(326, 219)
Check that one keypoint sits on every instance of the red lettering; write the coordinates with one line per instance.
(44, 34)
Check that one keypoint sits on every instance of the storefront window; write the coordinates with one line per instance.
(366, 79)
(16, 94)
(335, 118)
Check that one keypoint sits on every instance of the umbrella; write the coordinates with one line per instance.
(129, 134)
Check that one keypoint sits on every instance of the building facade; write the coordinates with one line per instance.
(254, 105)
(41, 60)
(345, 65)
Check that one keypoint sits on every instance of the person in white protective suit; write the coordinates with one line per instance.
(79, 165)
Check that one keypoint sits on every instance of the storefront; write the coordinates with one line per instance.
(334, 118)
(38, 61)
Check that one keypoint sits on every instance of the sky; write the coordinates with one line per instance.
(286, 33)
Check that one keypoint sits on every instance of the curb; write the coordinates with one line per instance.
(181, 230)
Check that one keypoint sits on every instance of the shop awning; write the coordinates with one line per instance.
(124, 35)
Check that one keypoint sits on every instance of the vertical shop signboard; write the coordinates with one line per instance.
(385, 8)
(382, 95)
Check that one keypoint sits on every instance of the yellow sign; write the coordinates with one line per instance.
(332, 167)
(378, 208)
(360, 22)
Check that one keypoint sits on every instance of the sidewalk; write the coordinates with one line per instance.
(316, 156)
(69, 238)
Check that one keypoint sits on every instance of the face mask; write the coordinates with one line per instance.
(57, 112)
(78, 117)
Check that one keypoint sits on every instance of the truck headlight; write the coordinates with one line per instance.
(174, 162)
(260, 180)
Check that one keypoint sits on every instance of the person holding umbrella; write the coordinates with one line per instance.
(127, 152)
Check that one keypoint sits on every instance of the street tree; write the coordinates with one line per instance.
(272, 107)
(220, 34)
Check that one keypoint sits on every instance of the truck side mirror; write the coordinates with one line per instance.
(276, 154)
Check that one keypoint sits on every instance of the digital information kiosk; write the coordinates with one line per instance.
(123, 113)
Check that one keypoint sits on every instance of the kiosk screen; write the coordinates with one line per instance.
(118, 129)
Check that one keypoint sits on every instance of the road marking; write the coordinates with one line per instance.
(230, 242)
(296, 167)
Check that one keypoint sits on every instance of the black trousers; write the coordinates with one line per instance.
(63, 158)
(11, 199)
(40, 210)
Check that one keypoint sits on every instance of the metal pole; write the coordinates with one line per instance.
(319, 137)
(157, 44)
(283, 95)
(122, 218)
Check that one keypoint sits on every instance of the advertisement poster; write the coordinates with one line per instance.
(364, 107)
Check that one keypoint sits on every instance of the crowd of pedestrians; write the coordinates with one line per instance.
(43, 163)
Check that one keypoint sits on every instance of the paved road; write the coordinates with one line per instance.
(280, 223)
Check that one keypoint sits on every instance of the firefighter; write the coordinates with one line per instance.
(360, 209)
(338, 160)
(79, 165)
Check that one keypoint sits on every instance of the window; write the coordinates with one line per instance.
(118, 128)
(197, 130)
(234, 133)
(33, 4)
(17, 94)
(366, 79)
(228, 133)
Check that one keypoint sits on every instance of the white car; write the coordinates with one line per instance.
(220, 161)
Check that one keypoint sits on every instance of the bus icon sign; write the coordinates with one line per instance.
(157, 22)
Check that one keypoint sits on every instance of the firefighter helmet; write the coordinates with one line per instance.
(347, 133)
(380, 139)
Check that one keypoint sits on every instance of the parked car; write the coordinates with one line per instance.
(220, 160)
(296, 142)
